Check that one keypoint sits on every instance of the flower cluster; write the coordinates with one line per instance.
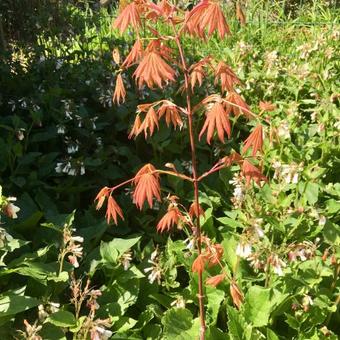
(155, 271)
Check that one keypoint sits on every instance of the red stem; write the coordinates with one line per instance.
(195, 179)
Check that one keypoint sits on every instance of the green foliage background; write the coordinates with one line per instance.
(57, 121)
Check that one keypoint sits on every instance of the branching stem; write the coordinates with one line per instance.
(195, 178)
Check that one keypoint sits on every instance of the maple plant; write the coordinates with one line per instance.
(160, 60)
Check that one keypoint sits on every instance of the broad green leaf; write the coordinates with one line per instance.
(152, 332)
(123, 324)
(229, 245)
(259, 303)
(52, 332)
(213, 333)
(236, 324)
(62, 318)
(229, 222)
(12, 303)
(312, 192)
(14, 244)
(331, 232)
(215, 297)
(179, 325)
(271, 335)
(110, 251)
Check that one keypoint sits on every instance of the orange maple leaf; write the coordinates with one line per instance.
(198, 264)
(149, 123)
(135, 127)
(112, 210)
(129, 16)
(214, 254)
(267, 106)
(217, 118)
(147, 186)
(254, 140)
(102, 194)
(215, 280)
(119, 93)
(171, 218)
(250, 172)
(134, 55)
(195, 211)
(153, 70)
(171, 113)
(227, 77)
(240, 106)
(206, 15)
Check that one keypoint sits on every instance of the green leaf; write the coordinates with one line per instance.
(271, 335)
(51, 332)
(12, 303)
(331, 233)
(62, 318)
(259, 303)
(229, 222)
(229, 245)
(123, 324)
(110, 251)
(152, 331)
(213, 333)
(215, 297)
(179, 325)
(236, 324)
(312, 192)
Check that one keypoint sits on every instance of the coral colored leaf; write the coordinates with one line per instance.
(147, 186)
(113, 210)
(153, 70)
(215, 280)
(149, 123)
(251, 172)
(171, 218)
(198, 264)
(119, 93)
(254, 140)
(129, 16)
(216, 118)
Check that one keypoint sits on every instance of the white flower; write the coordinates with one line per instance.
(11, 210)
(59, 64)
(243, 250)
(154, 255)
(179, 302)
(61, 129)
(307, 300)
(322, 220)
(54, 307)
(259, 231)
(72, 148)
(104, 333)
(283, 130)
(190, 243)
(77, 239)
(59, 167)
(277, 264)
(73, 260)
(126, 259)
(72, 172)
